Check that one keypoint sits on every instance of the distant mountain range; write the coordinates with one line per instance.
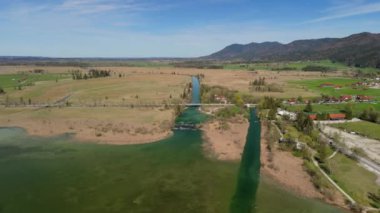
(361, 50)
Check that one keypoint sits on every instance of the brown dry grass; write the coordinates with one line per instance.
(134, 88)
(225, 144)
(115, 126)
(233, 79)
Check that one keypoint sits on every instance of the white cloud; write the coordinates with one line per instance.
(99, 6)
(353, 8)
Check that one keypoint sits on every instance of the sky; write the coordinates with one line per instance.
(171, 28)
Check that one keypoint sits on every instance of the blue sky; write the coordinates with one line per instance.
(171, 28)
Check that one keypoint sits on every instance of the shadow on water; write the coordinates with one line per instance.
(244, 198)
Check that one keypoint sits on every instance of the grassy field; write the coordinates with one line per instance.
(296, 66)
(131, 89)
(368, 129)
(314, 85)
(354, 179)
(237, 80)
(334, 108)
(10, 81)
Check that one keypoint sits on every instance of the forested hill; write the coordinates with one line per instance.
(359, 50)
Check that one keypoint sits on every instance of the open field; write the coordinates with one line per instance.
(239, 80)
(353, 178)
(235, 80)
(357, 108)
(314, 85)
(104, 125)
(368, 129)
(131, 89)
(295, 66)
(10, 82)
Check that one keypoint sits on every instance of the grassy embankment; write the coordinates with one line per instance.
(368, 129)
(354, 179)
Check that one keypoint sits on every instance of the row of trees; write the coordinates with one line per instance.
(371, 115)
(93, 73)
(258, 82)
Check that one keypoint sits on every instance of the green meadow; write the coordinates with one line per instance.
(295, 65)
(352, 178)
(334, 108)
(364, 128)
(314, 85)
(10, 81)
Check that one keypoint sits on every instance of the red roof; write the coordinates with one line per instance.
(345, 97)
(327, 85)
(313, 116)
(364, 97)
(337, 116)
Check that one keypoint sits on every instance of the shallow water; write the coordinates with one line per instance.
(173, 175)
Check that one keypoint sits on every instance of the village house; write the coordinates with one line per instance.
(292, 101)
(363, 98)
(331, 99)
(345, 98)
(292, 116)
(337, 116)
(221, 99)
(313, 117)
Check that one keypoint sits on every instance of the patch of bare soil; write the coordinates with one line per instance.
(225, 140)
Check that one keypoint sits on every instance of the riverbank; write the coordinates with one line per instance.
(286, 170)
(98, 125)
(225, 140)
(289, 172)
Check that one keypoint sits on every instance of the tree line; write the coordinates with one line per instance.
(92, 73)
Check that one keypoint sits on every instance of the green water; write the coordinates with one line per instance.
(244, 199)
(59, 175)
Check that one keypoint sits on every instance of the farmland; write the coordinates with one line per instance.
(295, 66)
(345, 83)
(357, 108)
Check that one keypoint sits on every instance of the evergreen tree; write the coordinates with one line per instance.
(348, 111)
(308, 107)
